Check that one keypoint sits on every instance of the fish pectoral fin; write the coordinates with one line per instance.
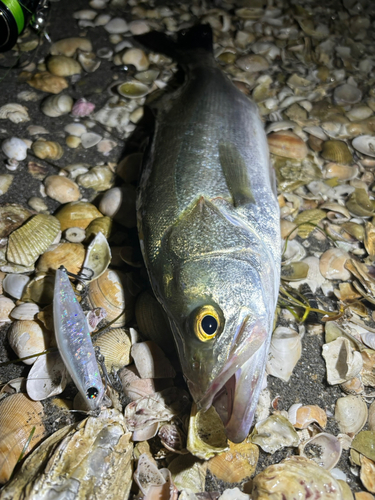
(236, 174)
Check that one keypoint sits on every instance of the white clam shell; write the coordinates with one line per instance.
(285, 351)
(342, 362)
(27, 338)
(47, 377)
(332, 264)
(116, 25)
(57, 105)
(15, 284)
(351, 414)
(25, 311)
(14, 148)
(6, 306)
(365, 144)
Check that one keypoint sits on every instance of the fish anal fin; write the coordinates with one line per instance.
(236, 174)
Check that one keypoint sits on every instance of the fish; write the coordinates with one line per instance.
(74, 342)
(208, 225)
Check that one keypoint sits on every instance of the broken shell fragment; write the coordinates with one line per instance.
(346, 94)
(351, 414)
(324, 449)
(364, 443)
(18, 416)
(115, 347)
(14, 284)
(359, 203)
(98, 258)
(32, 239)
(137, 58)
(274, 433)
(332, 264)
(75, 234)
(306, 415)
(367, 474)
(151, 361)
(285, 351)
(206, 436)
(236, 464)
(342, 362)
(135, 387)
(61, 189)
(6, 306)
(16, 113)
(188, 473)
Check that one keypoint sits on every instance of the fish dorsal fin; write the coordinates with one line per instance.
(236, 174)
(205, 228)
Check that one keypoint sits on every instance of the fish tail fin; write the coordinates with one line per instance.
(188, 45)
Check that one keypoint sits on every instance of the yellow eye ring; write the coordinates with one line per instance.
(207, 323)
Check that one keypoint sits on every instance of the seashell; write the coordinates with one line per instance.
(133, 89)
(151, 361)
(14, 284)
(364, 443)
(69, 46)
(287, 144)
(336, 151)
(137, 58)
(332, 264)
(5, 182)
(365, 144)
(287, 229)
(40, 289)
(46, 82)
(138, 27)
(371, 417)
(32, 239)
(88, 61)
(363, 495)
(47, 377)
(290, 477)
(285, 351)
(25, 311)
(153, 482)
(188, 473)
(61, 189)
(99, 178)
(115, 347)
(18, 416)
(95, 456)
(105, 146)
(57, 105)
(341, 361)
(135, 387)
(119, 203)
(252, 63)
(336, 212)
(369, 239)
(49, 150)
(6, 306)
(37, 204)
(63, 66)
(236, 464)
(306, 415)
(351, 414)
(77, 214)
(27, 338)
(82, 108)
(76, 129)
(69, 255)
(206, 436)
(94, 317)
(367, 474)
(308, 220)
(359, 203)
(328, 446)
(98, 258)
(360, 112)
(346, 94)
(90, 139)
(274, 433)
(355, 230)
(295, 271)
(152, 321)
(116, 25)
(111, 292)
(72, 142)
(293, 252)
(102, 224)
(75, 234)
(110, 116)
(173, 438)
(14, 148)
(16, 113)
(353, 386)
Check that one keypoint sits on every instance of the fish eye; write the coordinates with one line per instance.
(92, 393)
(207, 323)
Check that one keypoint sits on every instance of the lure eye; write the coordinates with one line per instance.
(92, 393)
(208, 323)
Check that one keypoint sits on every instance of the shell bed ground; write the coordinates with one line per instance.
(303, 34)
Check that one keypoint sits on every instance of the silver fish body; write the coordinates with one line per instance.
(208, 222)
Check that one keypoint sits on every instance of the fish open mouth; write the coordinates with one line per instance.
(235, 391)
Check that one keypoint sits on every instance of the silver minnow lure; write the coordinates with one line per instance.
(74, 341)
(208, 222)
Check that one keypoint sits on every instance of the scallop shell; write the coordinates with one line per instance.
(77, 214)
(100, 224)
(47, 82)
(115, 347)
(57, 105)
(365, 144)
(49, 150)
(337, 151)
(285, 351)
(151, 361)
(206, 436)
(236, 464)
(6, 306)
(32, 239)
(287, 144)
(351, 414)
(111, 292)
(27, 338)
(69, 255)
(47, 377)
(274, 433)
(18, 416)
(69, 46)
(288, 480)
(332, 264)
(329, 450)
(61, 189)
(25, 311)
(14, 284)
(133, 89)
(14, 148)
(98, 258)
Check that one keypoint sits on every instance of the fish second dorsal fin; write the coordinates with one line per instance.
(236, 174)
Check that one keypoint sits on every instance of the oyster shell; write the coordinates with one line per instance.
(274, 433)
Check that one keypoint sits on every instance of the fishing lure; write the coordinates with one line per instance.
(74, 341)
